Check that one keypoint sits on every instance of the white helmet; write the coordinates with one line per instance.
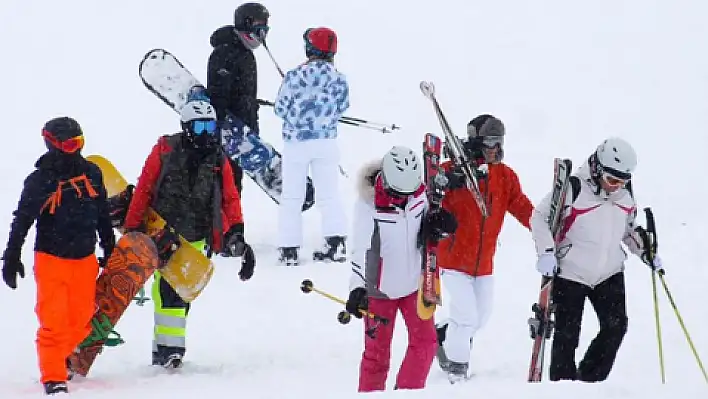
(402, 171)
(617, 157)
(197, 109)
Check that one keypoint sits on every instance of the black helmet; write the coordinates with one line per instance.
(63, 134)
(246, 14)
(485, 133)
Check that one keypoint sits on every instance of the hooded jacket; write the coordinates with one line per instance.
(232, 78)
(593, 228)
(386, 257)
(67, 198)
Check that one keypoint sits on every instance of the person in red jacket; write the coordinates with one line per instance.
(188, 180)
(466, 260)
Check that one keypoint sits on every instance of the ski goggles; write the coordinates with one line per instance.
(492, 141)
(260, 31)
(68, 146)
(201, 127)
(613, 181)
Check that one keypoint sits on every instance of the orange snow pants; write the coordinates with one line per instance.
(66, 291)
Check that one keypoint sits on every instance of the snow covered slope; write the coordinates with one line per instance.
(562, 75)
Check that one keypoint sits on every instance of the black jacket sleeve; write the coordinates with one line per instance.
(232, 84)
(28, 208)
(105, 228)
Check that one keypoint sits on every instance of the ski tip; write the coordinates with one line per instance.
(428, 88)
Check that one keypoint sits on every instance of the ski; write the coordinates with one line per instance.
(541, 324)
(455, 151)
(429, 292)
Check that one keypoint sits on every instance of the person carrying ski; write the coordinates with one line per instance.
(466, 260)
(66, 196)
(598, 215)
(188, 181)
(392, 222)
(311, 99)
(232, 79)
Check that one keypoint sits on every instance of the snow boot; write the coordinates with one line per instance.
(55, 387)
(457, 371)
(334, 250)
(289, 256)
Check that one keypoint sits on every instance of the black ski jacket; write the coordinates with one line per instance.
(232, 77)
(67, 198)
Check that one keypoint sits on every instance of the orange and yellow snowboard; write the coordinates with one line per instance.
(188, 270)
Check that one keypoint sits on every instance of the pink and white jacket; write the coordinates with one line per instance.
(386, 258)
(593, 228)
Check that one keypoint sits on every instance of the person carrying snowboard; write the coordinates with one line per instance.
(232, 79)
(311, 99)
(598, 215)
(466, 260)
(391, 223)
(188, 181)
(66, 196)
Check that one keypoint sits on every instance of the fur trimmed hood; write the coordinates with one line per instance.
(366, 179)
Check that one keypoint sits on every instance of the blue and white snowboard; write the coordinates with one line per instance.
(165, 76)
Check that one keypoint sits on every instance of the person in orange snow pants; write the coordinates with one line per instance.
(66, 196)
(66, 292)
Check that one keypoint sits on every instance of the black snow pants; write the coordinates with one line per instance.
(609, 301)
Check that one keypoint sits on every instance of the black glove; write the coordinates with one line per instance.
(11, 267)
(455, 178)
(248, 263)
(107, 251)
(118, 206)
(167, 243)
(438, 224)
(358, 300)
(234, 243)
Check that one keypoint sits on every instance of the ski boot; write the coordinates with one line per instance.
(55, 387)
(334, 250)
(289, 256)
(168, 357)
(457, 371)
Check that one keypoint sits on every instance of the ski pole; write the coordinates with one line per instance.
(344, 317)
(357, 122)
(658, 328)
(683, 326)
(651, 245)
(280, 70)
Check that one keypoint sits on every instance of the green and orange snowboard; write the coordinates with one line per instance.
(130, 265)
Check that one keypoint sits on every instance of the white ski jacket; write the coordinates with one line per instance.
(386, 258)
(593, 228)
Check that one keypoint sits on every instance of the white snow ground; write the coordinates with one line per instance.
(562, 75)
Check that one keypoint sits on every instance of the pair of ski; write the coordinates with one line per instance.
(429, 293)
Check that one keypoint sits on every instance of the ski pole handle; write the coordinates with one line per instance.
(307, 286)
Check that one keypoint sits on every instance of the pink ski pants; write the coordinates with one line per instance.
(422, 345)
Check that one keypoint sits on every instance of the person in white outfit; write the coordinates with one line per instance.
(391, 221)
(588, 259)
(310, 101)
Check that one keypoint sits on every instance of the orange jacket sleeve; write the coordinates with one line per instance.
(519, 204)
(142, 196)
(231, 200)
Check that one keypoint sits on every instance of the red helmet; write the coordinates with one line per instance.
(320, 42)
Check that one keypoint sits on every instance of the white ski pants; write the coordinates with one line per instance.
(321, 157)
(470, 308)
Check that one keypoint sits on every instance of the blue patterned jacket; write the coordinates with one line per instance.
(311, 99)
